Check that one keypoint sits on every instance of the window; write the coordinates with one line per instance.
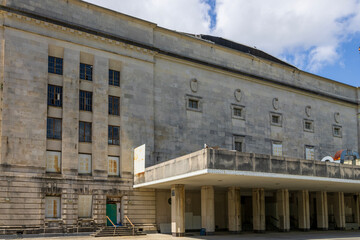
(238, 112)
(114, 135)
(53, 162)
(238, 143)
(54, 96)
(276, 119)
(85, 101)
(308, 125)
(52, 207)
(114, 105)
(309, 153)
(53, 128)
(277, 149)
(114, 78)
(194, 104)
(84, 132)
(84, 164)
(113, 167)
(86, 71)
(85, 206)
(337, 131)
(55, 65)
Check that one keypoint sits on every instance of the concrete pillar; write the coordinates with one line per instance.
(234, 209)
(322, 210)
(283, 208)
(258, 201)
(355, 209)
(339, 210)
(208, 209)
(178, 210)
(303, 210)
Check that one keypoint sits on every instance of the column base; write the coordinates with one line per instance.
(178, 234)
(259, 231)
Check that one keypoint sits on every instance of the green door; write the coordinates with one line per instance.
(111, 213)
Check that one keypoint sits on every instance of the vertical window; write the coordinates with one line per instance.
(308, 125)
(114, 78)
(193, 104)
(53, 162)
(84, 132)
(53, 128)
(52, 207)
(85, 101)
(114, 135)
(309, 153)
(86, 71)
(238, 146)
(238, 143)
(55, 65)
(54, 96)
(113, 167)
(277, 149)
(114, 105)
(337, 131)
(84, 164)
(85, 206)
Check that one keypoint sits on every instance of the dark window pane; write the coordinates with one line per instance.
(114, 77)
(86, 71)
(85, 101)
(53, 128)
(55, 65)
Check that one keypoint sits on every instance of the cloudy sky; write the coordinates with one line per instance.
(318, 36)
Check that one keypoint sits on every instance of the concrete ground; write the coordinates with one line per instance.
(313, 235)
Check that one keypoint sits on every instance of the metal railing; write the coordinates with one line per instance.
(112, 224)
(132, 225)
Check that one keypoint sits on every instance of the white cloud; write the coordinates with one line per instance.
(181, 15)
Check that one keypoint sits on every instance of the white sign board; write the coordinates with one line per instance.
(139, 159)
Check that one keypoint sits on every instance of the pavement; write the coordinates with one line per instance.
(312, 235)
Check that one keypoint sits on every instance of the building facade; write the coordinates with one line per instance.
(83, 86)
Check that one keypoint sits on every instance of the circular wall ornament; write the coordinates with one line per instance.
(308, 111)
(337, 117)
(194, 85)
(238, 94)
(275, 103)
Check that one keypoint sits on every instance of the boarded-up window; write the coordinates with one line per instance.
(53, 161)
(52, 207)
(84, 164)
(85, 206)
(113, 168)
(277, 149)
(309, 153)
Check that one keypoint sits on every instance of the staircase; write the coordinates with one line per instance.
(116, 231)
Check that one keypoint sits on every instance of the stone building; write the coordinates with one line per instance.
(83, 86)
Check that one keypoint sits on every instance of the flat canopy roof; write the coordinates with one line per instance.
(224, 168)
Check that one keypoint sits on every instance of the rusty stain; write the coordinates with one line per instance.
(55, 208)
(56, 164)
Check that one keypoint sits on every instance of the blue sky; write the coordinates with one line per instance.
(321, 37)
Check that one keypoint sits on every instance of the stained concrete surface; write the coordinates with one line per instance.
(313, 235)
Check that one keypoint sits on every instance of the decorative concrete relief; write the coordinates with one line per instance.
(238, 94)
(275, 103)
(308, 111)
(337, 117)
(194, 85)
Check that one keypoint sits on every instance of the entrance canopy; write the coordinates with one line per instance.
(225, 168)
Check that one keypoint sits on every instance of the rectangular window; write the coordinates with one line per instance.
(276, 119)
(309, 153)
(238, 146)
(84, 164)
(113, 167)
(85, 101)
(277, 149)
(53, 162)
(308, 125)
(238, 112)
(85, 206)
(54, 96)
(337, 131)
(84, 132)
(114, 105)
(193, 104)
(238, 142)
(114, 135)
(86, 71)
(55, 65)
(53, 128)
(114, 78)
(52, 207)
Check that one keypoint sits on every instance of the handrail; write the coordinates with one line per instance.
(112, 224)
(132, 225)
